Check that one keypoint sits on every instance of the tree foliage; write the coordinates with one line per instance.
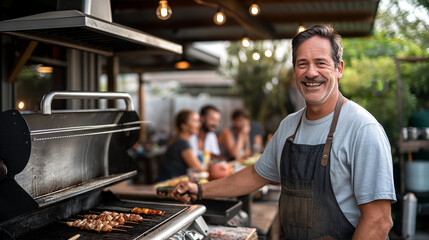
(370, 71)
(263, 84)
(409, 23)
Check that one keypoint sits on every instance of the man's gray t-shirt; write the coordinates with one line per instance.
(361, 159)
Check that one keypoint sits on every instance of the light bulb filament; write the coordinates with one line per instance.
(219, 18)
(254, 9)
(163, 11)
(245, 42)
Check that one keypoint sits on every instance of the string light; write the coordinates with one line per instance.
(301, 29)
(268, 53)
(256, 56)
(219, 18)
(21, 105)
(182, 65)
(245, 42)
(44, 69)
(163, 11)
(254, 9)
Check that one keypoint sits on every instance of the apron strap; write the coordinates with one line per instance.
(328, 144)
(291, 138)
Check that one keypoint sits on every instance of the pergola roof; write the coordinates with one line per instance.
(192, 20)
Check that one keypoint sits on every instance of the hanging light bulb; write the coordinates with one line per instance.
(254, 9)
(182, 64)
(245, 42)
(256, 56)
(301, 29)
(21, 105)
(163, 11)
(219, 18)
(268, 53)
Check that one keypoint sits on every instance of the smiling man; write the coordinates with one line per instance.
(332, 157)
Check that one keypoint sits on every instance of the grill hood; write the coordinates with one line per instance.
(86, 25)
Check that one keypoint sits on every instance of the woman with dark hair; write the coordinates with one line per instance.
(179, 156)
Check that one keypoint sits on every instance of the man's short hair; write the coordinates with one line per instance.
(204, 110)
(240, 113)
(323, 31)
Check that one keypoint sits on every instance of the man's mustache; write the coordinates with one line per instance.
(315, 79)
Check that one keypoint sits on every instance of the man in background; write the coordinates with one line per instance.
(243, 138)
(206, 139)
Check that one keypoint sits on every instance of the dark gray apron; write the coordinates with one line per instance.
(308, 207)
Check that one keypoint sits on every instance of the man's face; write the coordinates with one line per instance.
(239, 122)
(210, 122)
(315, 73)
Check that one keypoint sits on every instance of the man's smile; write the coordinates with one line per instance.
(312, 84)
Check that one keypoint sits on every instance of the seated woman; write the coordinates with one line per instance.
(179, 155)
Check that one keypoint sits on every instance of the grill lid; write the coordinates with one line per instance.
(90, 29)
(15, 147)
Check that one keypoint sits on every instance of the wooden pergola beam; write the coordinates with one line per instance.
(23, 57)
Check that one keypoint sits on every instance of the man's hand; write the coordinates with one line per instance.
(185, 192)
(245, 130)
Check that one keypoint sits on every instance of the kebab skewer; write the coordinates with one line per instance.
(97, 225)
(114, 216)
(147, 211)
(113, 223)
(126, 217)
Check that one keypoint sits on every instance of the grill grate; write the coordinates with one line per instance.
(59, 230)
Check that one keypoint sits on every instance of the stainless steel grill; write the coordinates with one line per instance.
(58, 163)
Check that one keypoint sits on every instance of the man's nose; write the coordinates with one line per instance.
(312, 71)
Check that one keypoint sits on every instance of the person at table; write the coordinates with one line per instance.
(206, 139)
(179, 156)
(243, 138)
(332, 157)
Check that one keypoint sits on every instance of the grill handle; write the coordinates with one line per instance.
(45, 104)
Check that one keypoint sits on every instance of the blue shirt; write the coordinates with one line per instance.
(361, 158)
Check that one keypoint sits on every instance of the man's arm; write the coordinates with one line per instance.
(375, 221)
(237, 184)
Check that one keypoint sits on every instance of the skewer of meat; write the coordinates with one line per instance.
(128, 217)
(113, 223)
(114, 216)
(92, 226)
(105, 217)
(98, 222)
(147, 211)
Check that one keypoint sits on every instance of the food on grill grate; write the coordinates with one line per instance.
(114, 216)
(94, 225)
(147, 211)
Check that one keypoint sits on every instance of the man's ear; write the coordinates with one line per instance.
(340, 69)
